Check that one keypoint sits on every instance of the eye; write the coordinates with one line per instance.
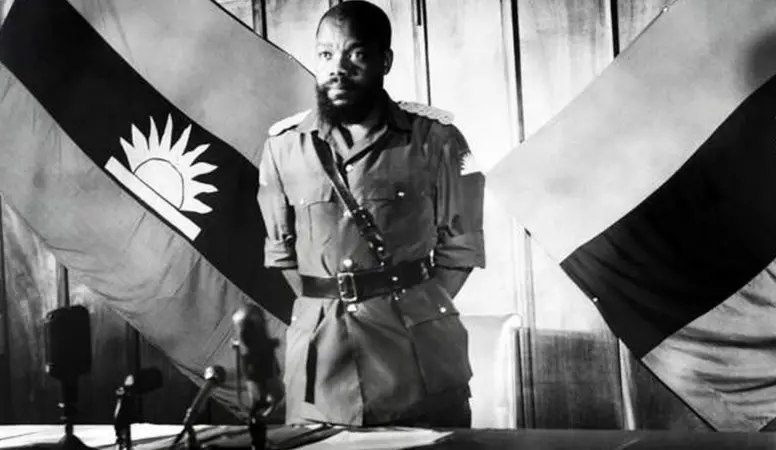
(324, 55)
(358, 55)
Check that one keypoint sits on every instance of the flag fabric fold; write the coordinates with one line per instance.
(129, 142)
(655, 190)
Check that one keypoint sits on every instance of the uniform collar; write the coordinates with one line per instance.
(395, 117)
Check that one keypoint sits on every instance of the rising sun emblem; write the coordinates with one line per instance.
(161, 172)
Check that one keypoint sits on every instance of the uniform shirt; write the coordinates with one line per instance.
(384, 358)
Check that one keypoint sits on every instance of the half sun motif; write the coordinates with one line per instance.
(162, 173)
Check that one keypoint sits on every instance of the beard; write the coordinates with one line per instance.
(362, 102)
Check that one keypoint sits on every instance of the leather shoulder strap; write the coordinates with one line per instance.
(363, 218)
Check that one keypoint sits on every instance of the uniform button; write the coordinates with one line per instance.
(301, 201)
(347, 263)
(442, 309)
(348, 167)
(352, 308)
(395, 279)
(400, 194)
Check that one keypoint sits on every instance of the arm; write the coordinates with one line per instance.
(279, 248)
(459, 201)
(294, 280)
(452, 279)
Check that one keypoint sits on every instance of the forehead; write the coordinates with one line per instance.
(339, 32)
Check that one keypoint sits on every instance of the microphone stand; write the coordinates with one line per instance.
(257, 427)
(69, 395)
(122, 420)
(191, 438)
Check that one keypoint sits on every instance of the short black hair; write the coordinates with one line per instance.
(368, 21)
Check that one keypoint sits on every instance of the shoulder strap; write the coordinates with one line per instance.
(363, 218)
(431, 112)
(282, 125)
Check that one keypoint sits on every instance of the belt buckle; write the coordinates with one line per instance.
(346, 284)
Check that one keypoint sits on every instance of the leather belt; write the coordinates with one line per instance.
(356, 286)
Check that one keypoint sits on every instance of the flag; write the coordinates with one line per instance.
(655, 189)
(129, 138)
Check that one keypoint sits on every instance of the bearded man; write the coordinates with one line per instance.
(364, 206)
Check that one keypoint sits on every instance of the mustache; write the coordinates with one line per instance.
(341, 82)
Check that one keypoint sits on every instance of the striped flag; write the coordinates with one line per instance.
(129, 137)
(656, 189)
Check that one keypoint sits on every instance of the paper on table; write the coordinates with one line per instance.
(384, 439)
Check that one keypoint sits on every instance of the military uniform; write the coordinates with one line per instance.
(386, 355)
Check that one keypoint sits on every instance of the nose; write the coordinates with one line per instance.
(339, 65)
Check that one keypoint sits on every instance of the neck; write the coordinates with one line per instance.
(367, 124)
(360, 130)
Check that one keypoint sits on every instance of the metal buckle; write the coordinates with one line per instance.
(346, 284)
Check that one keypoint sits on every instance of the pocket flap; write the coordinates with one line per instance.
(426, 307)
(313, 192)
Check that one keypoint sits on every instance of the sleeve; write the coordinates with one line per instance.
(279, 245)
(459, 205)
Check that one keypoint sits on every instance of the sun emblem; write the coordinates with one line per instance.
(162, 173)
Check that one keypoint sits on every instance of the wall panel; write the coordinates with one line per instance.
(408, 77)
(563, 45)
(634, 16)
(471, 73)
(576, 381)
(291, 25)
(240, 9)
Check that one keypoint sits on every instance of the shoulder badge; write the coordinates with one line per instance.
(289, 122)
(440, 115)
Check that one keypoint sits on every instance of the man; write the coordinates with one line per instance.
(375, 338)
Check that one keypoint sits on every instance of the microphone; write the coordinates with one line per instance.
(144, 381)
(256, 357)
(214, 376)
(68, 343)
(67, 337)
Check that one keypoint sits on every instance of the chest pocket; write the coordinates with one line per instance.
(398, 205)
(317, 211)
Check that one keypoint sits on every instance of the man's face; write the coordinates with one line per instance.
(349, 73)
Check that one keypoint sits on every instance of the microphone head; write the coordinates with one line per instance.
(215, 374)
(257, 356)
(257, 348)
(143, 381)
(68, 341)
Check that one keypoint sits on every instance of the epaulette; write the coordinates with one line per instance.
(289, 122)
(440, 115)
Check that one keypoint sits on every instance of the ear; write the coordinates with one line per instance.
(387, 61)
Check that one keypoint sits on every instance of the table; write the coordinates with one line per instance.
(148, 436)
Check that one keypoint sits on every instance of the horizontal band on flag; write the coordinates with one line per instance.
(696, 240)
(152, 199)
(725, 359)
